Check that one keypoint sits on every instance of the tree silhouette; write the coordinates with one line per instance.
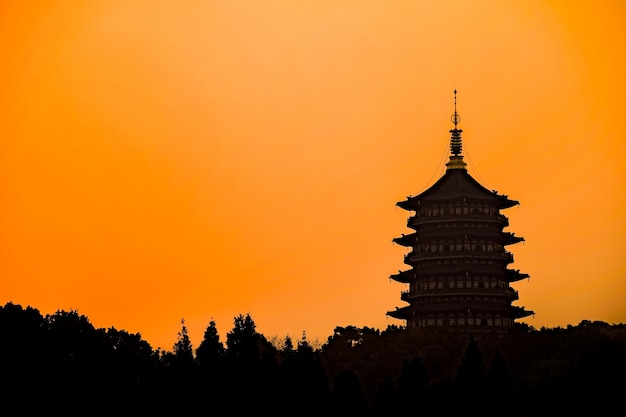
(61, 363)
(471, 372)
(252, 366)
(210, 352)
(183, 350)
(347, 394)
(412, 381)
(287, 345)
(387, 400)
(22, 354)
(469, 381)
(307, 381)
(241, 341)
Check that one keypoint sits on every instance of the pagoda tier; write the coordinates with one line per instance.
(456, 272)
(476, 274)
(459, 276)
(461, 317)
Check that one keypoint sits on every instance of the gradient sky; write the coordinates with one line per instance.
(163, 160)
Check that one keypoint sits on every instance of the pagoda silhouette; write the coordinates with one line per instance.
(459, 277)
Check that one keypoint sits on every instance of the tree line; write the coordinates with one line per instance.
(61, 362)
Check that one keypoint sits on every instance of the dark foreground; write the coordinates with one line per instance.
(61, 363)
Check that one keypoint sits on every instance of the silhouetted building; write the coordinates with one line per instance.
(459, 276)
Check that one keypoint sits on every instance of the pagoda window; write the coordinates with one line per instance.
(440, 285)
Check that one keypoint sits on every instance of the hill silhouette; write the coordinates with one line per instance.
(62, 363)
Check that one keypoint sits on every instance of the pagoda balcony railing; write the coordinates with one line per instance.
(412, 257)
(513, 293)
(408, 295)
(416, 221)
(503, 220)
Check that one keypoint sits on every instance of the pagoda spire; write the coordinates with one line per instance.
(456, 145)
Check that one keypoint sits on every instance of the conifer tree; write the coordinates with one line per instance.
(211, 350)
(471, 371)
(288, 345)
(183, 350)
(241, 341)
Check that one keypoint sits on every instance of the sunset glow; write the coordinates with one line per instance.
(163, 160)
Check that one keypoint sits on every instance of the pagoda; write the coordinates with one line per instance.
(459, 277)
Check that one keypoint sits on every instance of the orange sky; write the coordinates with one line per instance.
(204, 159)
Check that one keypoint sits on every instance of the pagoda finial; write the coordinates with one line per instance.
(455, 118)
(456, 159)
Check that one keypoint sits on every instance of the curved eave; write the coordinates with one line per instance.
(515, 275)
(404, 277)
(520, 312)
(506, 203)
(409, 204)
(458, 183)
(400, 313)
(511, 239)
(406, 240)
(454, 184)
